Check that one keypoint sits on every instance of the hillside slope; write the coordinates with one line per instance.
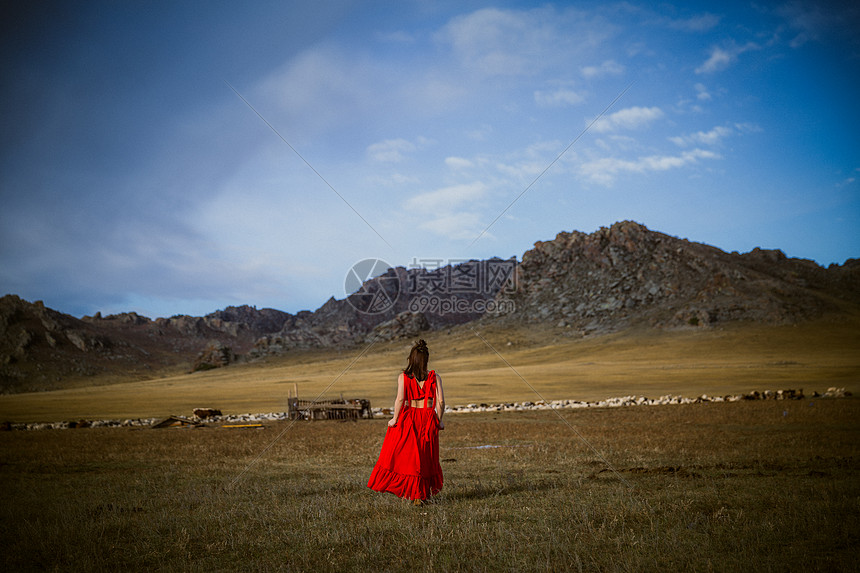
(583, 284)
(626, 274)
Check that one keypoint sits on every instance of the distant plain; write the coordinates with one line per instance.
(514, 364)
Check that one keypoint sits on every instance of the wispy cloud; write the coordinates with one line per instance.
(816, 22)
(390, 150)
(665, 15)
(395, 150)
(523, 165)
(604, 170)
(484, 41)
(320, 89)
(558, 98)
(458, 163)
(393, 180)
(398, 37)
(712, 137)
(205, 202)
(607, 68)
(447, 198)
(457, 225)
(494, 42)
(722, 58)
(480, 134)
(699, 23)
(451, 212)
(629, 118)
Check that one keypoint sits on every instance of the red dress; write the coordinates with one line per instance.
(408, 464)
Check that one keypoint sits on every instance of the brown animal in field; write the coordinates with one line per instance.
(204, 413)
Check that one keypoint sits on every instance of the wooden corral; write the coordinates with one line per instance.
(339, 409)
(176, 422)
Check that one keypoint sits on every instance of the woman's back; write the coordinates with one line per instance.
(408, 465)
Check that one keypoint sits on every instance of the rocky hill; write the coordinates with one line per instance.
(400, 302)
(627, 274)
(41, 348)
(582, 283)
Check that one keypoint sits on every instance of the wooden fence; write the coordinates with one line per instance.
(339, 409)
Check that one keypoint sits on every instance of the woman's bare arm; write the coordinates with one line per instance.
(398, 401)
(440, 401)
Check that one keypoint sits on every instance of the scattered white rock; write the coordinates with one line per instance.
(470, 408)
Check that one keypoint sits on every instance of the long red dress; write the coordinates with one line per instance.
(408, 464)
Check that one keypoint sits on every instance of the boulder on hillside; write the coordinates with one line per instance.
(215, 355)
(405, 324)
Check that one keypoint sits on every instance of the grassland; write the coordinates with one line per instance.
(733, 359)
(749, 486)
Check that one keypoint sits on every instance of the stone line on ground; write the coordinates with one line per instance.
(470, 408)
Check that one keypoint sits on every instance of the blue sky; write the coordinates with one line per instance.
(133, 176)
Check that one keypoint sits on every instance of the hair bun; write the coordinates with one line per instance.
(421, 345)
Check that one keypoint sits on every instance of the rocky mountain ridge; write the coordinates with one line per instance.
(616, 277)
(400, 302)
(627, 274)
(40, 347)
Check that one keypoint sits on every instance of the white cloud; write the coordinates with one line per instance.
(522, 170)
(393, 180)
(321, 88)
(458, 225)
(332, 88)
(524, 164)
(702, 93)
(828, 22)
(712, 137)
(395, 150)
(390, 150)
(810, 22)
(607, 68)
(629, 118)
(450, 212)
(480, 134)
(447, 198)
(558, 98)
(496, 42)
(398, 37)
(700, 23)
(485, 41)
(616, 143)
(719, 59)
(458, 163)
(722, 58)
(747, 127)
(605, 169)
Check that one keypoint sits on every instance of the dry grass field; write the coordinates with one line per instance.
(747, 486)
(732, 359)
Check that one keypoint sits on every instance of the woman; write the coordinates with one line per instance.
(408, 464)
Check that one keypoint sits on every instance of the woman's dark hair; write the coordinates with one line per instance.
(416, 366)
